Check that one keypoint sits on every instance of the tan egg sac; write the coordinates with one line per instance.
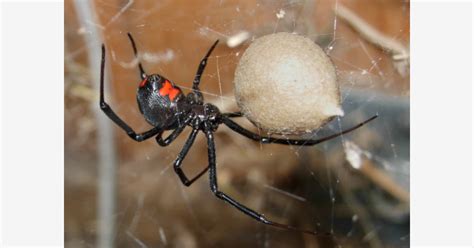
(286, 84)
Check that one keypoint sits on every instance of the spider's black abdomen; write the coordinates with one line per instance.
(161, 102)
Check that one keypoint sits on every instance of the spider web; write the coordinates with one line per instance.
(339, 186)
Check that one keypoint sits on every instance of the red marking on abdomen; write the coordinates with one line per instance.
(169, 90)
(143, 83)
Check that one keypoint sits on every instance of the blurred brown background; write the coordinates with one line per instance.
(311, 187)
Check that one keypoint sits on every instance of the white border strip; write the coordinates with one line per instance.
(441, 159)
(1, 121)
(417, 179)
(472, 121)
(32, 133)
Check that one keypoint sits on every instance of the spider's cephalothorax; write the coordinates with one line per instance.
(165, 107)
(161, 102)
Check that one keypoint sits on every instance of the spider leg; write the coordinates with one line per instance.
(214, 188)
(233, 114)
(140, 67)
(173, 134)
(179, 160)
(111, 114)
(302, 142)
(202, 66)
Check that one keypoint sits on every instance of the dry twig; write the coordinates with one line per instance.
(400, 54)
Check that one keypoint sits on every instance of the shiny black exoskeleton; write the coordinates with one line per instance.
(165, 107)
(161, 102)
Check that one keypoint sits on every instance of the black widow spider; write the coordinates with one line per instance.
(165, 107)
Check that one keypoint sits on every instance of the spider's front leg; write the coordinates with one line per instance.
(140, 67)
(233, 114)
(200, 70)
(302, 142)
(221, 195)
(114, 117)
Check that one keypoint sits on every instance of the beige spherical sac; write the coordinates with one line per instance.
(286, 84)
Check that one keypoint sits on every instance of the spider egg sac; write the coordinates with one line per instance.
(286, 84)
